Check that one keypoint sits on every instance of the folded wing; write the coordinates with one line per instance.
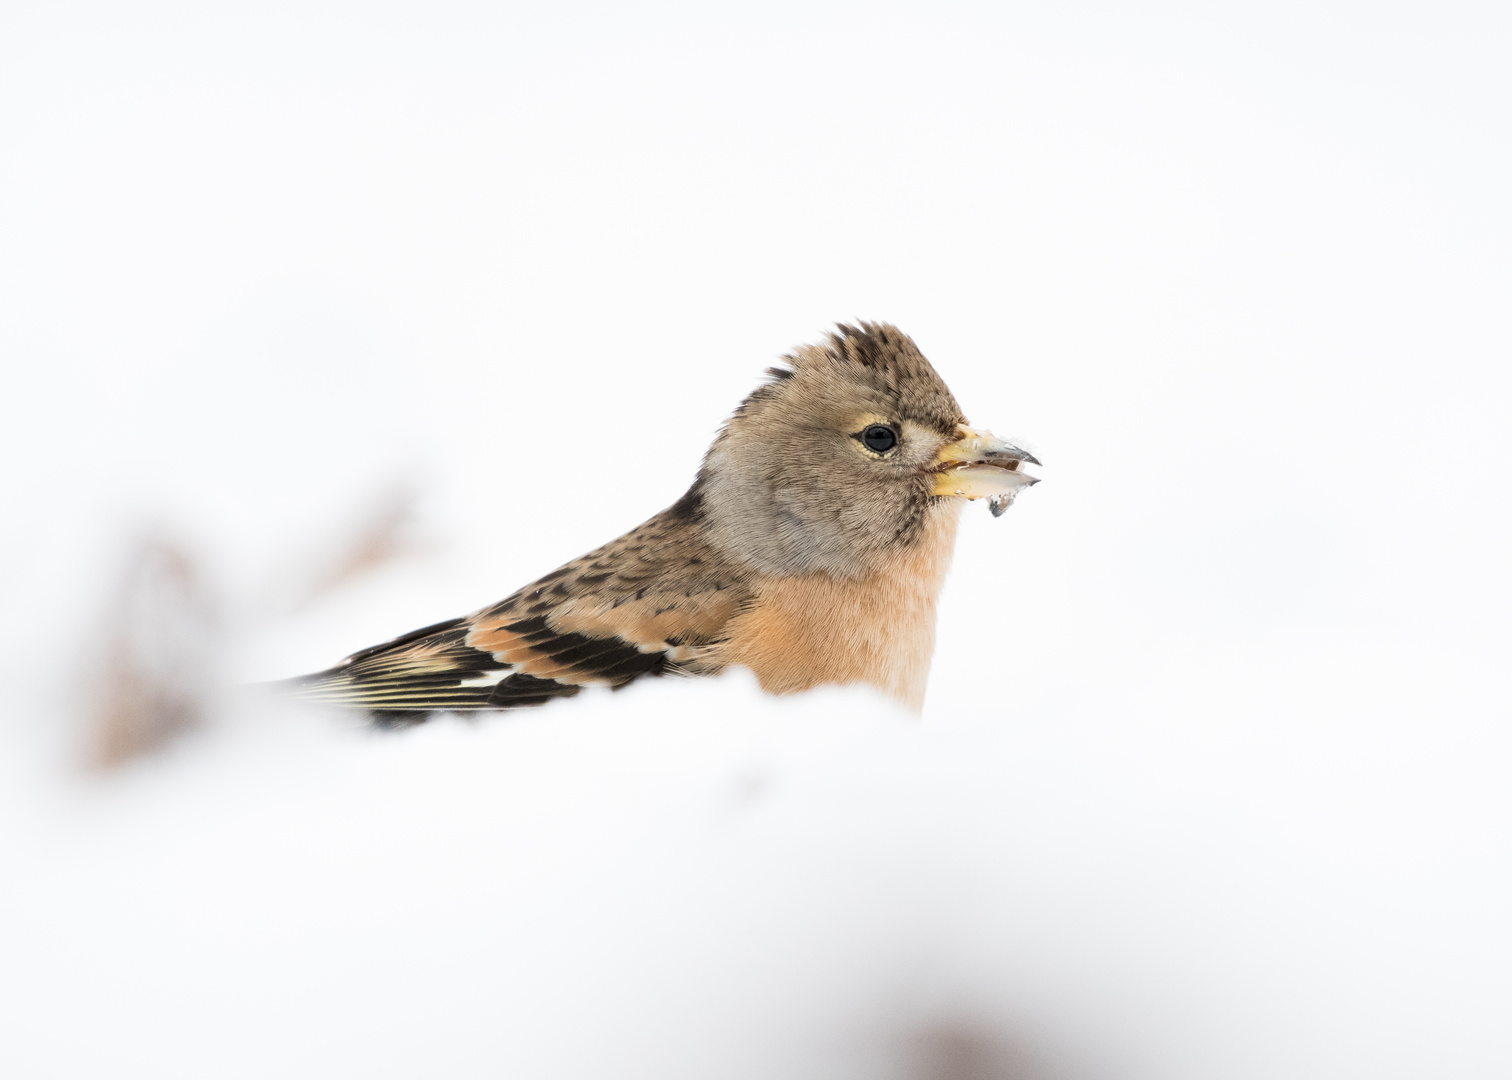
(653, 601)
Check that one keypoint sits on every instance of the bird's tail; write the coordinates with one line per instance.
(429, 670)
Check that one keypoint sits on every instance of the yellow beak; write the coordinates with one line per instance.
(979, 465)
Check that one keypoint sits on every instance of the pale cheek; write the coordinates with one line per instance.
(922, 455)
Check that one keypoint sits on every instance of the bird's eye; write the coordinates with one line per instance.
(879, 438)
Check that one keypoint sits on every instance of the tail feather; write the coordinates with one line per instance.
(429, 670)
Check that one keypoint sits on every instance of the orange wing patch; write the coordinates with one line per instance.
(585, 641)
(532, 647)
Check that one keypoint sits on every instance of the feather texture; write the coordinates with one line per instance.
(652, 602)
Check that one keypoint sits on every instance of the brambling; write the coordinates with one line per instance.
(811, 549)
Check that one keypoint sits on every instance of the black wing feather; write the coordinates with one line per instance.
(404, 680)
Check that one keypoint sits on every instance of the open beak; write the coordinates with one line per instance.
(979, 465)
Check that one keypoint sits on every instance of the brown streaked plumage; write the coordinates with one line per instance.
(811, 549)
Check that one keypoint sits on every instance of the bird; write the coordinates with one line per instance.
(811, 549)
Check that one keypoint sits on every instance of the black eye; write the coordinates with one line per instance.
(879, 438)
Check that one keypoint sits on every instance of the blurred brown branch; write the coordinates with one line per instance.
(371, 538)
(160, 655)
(163, 632)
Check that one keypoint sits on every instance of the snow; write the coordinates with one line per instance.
(1212, 781)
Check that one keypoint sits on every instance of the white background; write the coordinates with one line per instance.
(1213, 777)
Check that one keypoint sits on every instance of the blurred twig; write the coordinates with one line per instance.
(161, 655)
(963, 1050)
(164, 631)
(379, 534)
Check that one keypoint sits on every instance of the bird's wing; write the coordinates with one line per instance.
(650, 602)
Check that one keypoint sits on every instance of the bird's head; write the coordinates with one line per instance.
(845, 455)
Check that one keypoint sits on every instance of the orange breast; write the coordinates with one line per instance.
(818, 629)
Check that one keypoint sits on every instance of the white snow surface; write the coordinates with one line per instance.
(1213, 777)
